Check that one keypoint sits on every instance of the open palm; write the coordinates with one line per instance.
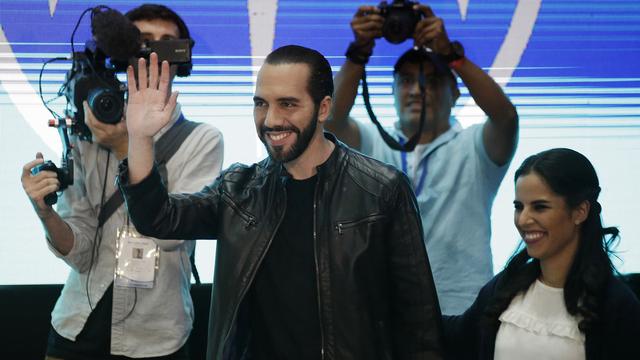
(149, 108)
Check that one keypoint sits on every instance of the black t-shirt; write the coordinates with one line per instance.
(283, 301)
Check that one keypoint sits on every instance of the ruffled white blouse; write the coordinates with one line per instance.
(536, 325)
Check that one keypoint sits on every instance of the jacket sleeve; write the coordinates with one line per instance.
(416, 324)
(197, 163)
(621, 323)
(75, 209)
(462, 337)
(177, 216)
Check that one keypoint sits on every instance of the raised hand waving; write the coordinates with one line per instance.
(149, 106)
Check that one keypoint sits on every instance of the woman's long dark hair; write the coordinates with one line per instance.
(570, 175)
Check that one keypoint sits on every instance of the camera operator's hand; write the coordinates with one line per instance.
(430, 31)
(38, 186)
(149, 106)
(111, 136)
(367, 26)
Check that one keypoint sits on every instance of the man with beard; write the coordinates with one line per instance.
(320, 252)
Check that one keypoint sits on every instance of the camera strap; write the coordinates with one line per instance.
(388, 139)
(165, 148)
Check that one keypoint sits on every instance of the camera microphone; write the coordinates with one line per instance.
(115, 34)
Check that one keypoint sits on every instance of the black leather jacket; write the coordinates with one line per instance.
(376, 295)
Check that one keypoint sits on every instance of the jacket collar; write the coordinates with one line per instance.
(325, 170)
(335, 160)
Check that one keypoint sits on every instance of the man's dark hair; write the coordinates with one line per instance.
(154, 11)
(418, 56)
(320, 79)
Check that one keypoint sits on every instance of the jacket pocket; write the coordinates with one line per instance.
(341, 226)
(248, 219)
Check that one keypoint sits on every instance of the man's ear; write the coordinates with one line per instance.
(393, 85)
(581, 212)
(324, 109)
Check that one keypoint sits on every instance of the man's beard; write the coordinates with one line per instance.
(303, 138)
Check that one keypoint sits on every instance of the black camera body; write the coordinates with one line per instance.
(400, 20)
(64, 173)
(93, 79)
(176, 52)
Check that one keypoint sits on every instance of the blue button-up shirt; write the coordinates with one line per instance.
(455, 200)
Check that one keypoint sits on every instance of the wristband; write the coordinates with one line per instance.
(456, 64)
(455, 57)
(356, 54)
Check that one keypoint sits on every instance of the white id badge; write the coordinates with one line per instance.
(136, 259)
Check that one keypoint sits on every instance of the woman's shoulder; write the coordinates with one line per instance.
(489, 289)
(620, 327)
(621, 309)
(620, 297)
(497, 281)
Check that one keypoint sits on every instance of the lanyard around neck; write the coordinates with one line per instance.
(403, 156)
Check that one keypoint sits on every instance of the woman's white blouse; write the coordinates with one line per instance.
(536, 325)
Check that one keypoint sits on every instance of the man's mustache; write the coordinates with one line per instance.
(264, 129)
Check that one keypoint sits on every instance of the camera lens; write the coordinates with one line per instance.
(399, 26)
(106, 104)
(400, 20)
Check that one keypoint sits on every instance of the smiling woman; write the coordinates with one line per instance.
(549, 226)
(557, 298)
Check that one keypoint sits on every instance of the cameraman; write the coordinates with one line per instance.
(95, 318)
(455, 172)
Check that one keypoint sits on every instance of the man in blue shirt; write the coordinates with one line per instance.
(455, 172)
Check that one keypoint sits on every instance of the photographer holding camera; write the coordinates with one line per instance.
(126, 296)
(455, 172)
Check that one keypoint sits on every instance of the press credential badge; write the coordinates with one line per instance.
(136, 259)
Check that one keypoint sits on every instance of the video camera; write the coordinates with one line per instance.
(400, 20)
(93, 77)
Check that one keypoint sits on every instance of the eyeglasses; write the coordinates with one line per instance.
(431, 81)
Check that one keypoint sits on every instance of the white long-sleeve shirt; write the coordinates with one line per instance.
(162, 318)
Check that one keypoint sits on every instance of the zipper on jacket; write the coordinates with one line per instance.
(315, 258)
(341, 226)
(248, 219)
(253, 275)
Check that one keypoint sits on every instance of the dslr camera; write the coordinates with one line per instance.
(400, 20)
